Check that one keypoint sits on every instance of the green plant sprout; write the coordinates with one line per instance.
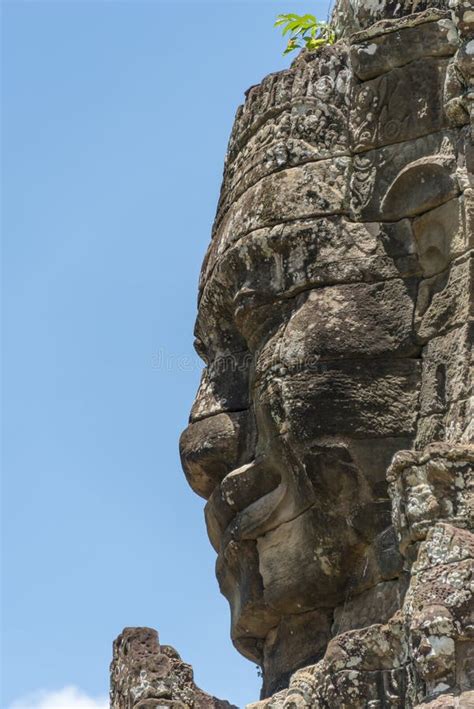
(305, 31)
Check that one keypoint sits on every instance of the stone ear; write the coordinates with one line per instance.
(421, 185)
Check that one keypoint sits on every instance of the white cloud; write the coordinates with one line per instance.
(66, 698)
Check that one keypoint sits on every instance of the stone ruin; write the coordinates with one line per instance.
(332, 433)
(147, 675)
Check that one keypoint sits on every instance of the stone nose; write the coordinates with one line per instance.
(214, 446)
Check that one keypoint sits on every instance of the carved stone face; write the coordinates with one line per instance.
(307, 326)
(320, 392)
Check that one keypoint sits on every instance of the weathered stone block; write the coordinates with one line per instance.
(445, 543)
(371, 398)
(286, 258)
(376, 55)
(447, 370)
(351, 321)
(430, 429)
(381, 115)
(298, 640)
(459, 421)
(377, 18)
(310, 190)
(445, 301)
(432, 486)
(376, 605)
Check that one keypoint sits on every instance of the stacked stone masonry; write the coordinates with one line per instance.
(332, 433)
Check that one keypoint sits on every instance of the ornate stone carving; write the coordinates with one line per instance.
(338, 282)
(332, 434)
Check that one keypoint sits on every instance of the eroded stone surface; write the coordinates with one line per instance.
(334, 319)
(147, 675)
(378, 54)
(332, 433)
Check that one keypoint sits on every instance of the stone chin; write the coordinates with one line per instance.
(296, 521)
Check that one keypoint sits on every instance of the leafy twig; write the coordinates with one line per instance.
(305, 31)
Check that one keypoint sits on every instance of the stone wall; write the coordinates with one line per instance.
(332, 433)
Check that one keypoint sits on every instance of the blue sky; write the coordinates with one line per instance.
(116, 117)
